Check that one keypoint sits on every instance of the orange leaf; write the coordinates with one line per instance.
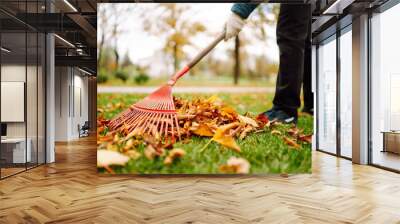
(293, 131)
(263, 119)
(203, 130)
(305, 138)
(291, 142)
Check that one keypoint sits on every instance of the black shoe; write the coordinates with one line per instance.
(280, 116)
(309, 111)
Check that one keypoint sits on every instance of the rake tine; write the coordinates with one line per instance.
(139, 121)
(134, 120)
(172, 126)
(149, 122)
(177, 126)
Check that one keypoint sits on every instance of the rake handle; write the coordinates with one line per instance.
(196, 59)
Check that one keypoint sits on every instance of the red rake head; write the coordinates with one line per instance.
(154, 115)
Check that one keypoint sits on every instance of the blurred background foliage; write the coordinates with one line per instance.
(180, 38)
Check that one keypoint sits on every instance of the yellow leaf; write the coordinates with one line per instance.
(226, 140)
(203, 130)
(276, 132)
(228, 111)
(213, 99)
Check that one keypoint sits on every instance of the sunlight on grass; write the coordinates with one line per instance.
(265, 152)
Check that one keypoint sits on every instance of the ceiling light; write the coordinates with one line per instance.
(337, 7)
(70, 5)
(64, 40)
(5, 50)
(84, 71)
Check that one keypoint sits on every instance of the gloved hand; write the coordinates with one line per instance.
(233, 26)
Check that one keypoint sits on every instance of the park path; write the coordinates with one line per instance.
(186, 89)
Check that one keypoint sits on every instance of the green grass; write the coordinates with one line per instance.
(265, 152)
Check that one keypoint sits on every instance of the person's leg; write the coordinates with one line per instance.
(292, 31)
(307, 82)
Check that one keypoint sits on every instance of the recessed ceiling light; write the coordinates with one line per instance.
(70, 5)
(64, 40)
(5, 50)
(84, 71)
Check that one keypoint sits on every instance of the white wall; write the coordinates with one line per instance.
(71, 94)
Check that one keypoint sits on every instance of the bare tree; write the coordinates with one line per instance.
(102, 22)
(169, 20)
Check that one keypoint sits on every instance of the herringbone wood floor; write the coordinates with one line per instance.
(70, 191)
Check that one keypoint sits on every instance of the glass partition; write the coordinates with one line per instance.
(41, 96)
(346, 93)
(327, 95)
(13, 92)
(22, 77)
(31, 98)
(385, 89)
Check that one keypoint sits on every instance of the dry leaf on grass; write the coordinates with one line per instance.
(235, 165)
(174, 154)
(305, 138)
(245, 131)
(294, 131)
(204, 118)
(133, 154)
(247, 120)
(203, 130)
(276, 132)
(291, 142)
(107, 158)
(222, 138)
(263, 120)
(150, 152)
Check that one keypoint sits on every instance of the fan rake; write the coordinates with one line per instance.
(156, 114)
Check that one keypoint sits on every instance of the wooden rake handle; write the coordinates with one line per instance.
(196, 59)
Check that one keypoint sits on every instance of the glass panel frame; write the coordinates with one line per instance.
(345, 93)
(326, 112)
(27, 57)
(384, 71)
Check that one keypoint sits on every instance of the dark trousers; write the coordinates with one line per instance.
(294, 41)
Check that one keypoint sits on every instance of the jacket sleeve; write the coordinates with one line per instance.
(244, 9)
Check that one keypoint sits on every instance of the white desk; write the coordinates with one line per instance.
(19, 155)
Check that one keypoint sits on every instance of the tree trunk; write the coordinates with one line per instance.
(176, 61)
(100, 50)
(116, 57)
(236, 72)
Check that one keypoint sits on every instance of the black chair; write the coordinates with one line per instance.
(84, 130)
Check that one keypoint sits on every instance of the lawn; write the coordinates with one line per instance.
(266, 152)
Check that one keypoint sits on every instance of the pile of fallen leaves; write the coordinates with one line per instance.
(199, 117)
